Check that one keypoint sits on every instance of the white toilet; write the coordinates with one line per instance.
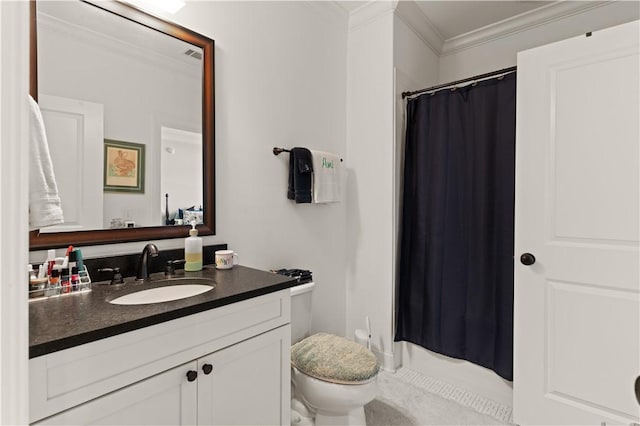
(332, 378)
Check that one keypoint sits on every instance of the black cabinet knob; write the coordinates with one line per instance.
(192, 375)
(207, 368)
(527, 259)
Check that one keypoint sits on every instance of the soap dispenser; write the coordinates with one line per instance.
(193, 250)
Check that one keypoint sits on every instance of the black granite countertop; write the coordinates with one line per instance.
(63, 322)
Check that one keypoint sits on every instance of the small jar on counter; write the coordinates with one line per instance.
(36, 285)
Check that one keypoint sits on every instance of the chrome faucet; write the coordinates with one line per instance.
(143, 269)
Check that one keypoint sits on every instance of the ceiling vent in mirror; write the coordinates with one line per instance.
(193, 54)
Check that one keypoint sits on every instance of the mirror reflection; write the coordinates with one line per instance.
(122, 107)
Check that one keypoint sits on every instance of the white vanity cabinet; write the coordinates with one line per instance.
(226, 366)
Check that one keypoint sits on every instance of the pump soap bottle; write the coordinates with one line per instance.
(193, 250)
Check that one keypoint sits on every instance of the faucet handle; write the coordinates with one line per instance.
(170, 268)
(116, 278)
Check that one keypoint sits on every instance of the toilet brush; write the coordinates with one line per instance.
(364, 337)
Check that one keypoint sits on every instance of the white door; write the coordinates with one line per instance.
(183, 185)
(248, 383)
(74, 131)
(577, 316)
(168, 398)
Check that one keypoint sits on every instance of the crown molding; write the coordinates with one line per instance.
(518, 23)
(412, 15)
(417, 21)
(370, 11)
(331, 11)
(94, 38)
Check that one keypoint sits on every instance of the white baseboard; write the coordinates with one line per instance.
(385, 359)
(463, 374)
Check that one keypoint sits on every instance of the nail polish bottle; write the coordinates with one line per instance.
(65, 284)
(75, 279)
(54, 283)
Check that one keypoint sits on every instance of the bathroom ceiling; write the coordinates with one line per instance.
(453, 18)
(136, 40)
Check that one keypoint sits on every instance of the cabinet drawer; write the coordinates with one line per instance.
(67, 378)
(164, 399)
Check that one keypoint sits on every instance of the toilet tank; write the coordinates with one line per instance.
(301, 297)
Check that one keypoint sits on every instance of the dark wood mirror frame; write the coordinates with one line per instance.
(39, 240)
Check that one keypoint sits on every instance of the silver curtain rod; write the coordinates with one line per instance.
(465, 80)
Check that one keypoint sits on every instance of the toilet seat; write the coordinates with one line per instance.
(334, 359)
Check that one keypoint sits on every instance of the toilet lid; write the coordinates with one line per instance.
(334, 359)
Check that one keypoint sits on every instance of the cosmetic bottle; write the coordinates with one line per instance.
(75, 279)
(72, 260)
(79, 259)
(193, 250)
(32, 273)
(42, 271)
(65, 284)
(51, 260)
(54, 283)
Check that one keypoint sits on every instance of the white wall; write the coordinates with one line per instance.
(14, 178)
(280, 73)
(370, 155)
(280, 81)
(412, 55)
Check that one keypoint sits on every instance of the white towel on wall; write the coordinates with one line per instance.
(45, 208)
(326, 177)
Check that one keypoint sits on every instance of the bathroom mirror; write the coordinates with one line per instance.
(128, 104)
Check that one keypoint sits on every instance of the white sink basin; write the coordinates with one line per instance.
(162, 294)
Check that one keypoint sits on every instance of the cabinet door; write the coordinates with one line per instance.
(247, 383)
(165, 399)
(577, 352)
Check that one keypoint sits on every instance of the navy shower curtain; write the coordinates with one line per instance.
(456, 252)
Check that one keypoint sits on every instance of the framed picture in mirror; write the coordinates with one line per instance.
(123, 166)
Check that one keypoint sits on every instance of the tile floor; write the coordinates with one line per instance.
(409, 398)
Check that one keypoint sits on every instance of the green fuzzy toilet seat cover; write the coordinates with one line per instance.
(334, 359)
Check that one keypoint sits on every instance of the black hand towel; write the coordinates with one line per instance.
(300, 173)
